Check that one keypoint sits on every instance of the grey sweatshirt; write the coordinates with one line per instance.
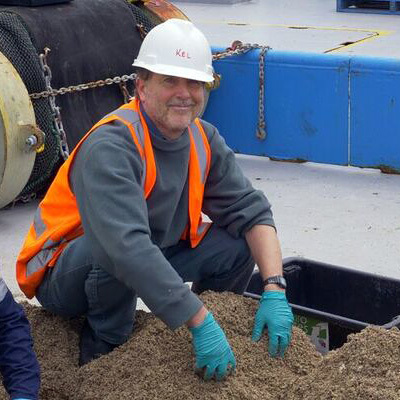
(127, 232)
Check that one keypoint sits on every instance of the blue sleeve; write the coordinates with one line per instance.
(18, 364)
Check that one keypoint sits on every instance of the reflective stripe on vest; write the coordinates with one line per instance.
(57, 220)
(50, 249)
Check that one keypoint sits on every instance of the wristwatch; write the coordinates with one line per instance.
(277, 280)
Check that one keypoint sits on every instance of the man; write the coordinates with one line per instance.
(18, 364)
(123, 216)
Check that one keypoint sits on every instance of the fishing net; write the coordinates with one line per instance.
(81, 51)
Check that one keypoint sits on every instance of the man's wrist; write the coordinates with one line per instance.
(277, 280)
(274, 287)
(197, 318)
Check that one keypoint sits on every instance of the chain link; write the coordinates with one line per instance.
(83, 86)
(51, 93)
(237, 48)
(54, 108)
(261, 132)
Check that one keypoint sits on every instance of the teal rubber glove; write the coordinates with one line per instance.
(212, 350)
(275, 313)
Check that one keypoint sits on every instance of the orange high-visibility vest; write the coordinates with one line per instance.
(57, 220)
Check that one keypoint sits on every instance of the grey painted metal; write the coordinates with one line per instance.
(265, 21)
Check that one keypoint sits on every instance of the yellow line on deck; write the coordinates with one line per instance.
(375, 35)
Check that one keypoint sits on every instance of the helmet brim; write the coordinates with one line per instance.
(179, 72)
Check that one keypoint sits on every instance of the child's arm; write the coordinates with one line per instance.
(18, 363)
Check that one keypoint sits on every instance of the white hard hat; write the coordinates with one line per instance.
(177, 48)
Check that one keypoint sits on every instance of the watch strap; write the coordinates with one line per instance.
(277, 280)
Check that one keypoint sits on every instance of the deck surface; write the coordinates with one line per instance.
(343, 216)
(307, 25)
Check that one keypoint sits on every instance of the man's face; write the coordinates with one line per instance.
(172, 103)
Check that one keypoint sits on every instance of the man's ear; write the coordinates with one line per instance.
(140, 88)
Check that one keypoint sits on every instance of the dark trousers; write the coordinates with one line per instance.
(78, 286)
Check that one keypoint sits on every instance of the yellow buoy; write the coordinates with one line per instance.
(20, 138)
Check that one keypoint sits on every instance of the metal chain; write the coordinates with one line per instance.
(261, 132)
(54, 108)
(237, 48)
(142, 30)
(83, 86)
(51, 93)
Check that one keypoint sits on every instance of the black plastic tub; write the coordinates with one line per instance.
(347, 300)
